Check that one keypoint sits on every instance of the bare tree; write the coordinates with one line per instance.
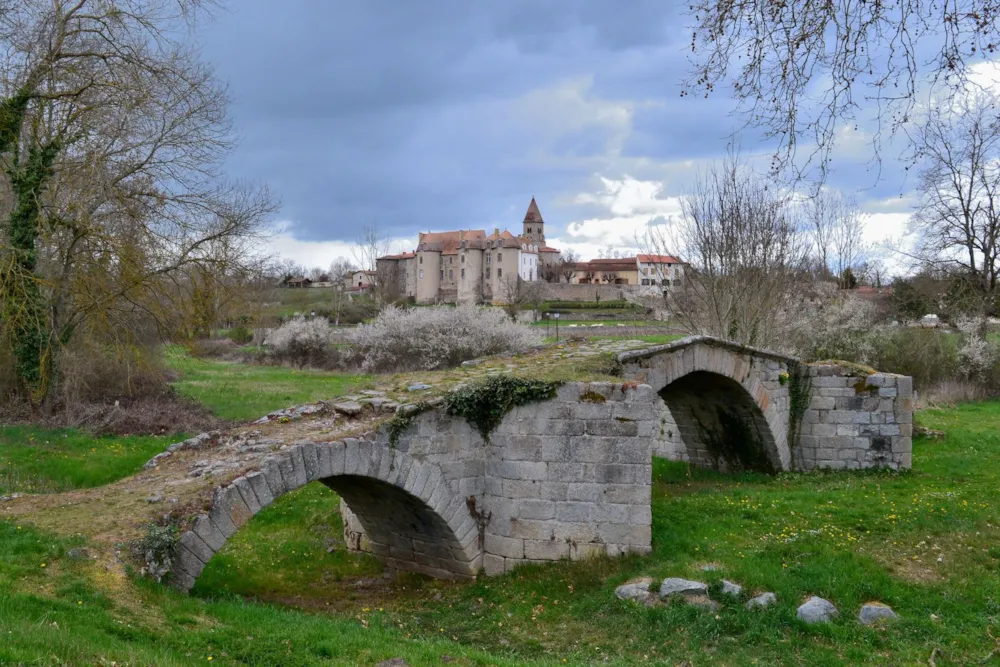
(800, 70)
(836, 227)
(566, 264)
(112, 134)
(370, 245)
(745, 253)
(515, 292)
(958, 220)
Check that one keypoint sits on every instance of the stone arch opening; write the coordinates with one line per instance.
(401, 529)
(412, 516)
(720, 424)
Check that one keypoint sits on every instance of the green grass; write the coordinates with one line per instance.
(39, 460)
(238, 391)
(924, 542)
(52, 613)
(586, 323)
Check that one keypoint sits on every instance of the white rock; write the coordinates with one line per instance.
(636, 589)
(729, 588)
(685, 587)
(816, 610)
(762, 600)
(873, 612)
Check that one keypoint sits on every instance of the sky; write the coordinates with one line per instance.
(447, 114)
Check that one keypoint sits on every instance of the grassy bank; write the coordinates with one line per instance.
(41, 460)
(241, 392)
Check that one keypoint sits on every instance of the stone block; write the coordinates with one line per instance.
(242, 485)
(525, 470)
(186, 561)
(612, 428)
(546, 549)
(585, 550)
(493, 565)
(610, 513)
(338, 452)
(585, 492)
(904, 387)
(822, 403)
(209, 532)
(574, 532)
(286, 462)
(504, 546)
(351, 460)
(272, 472)
(517, 488)
(573, 511)
(219, 514)
(531, 529)
(536, 509)
(197, 546)
(887, 392)
(556, 449)
(310, 459)
(840, 417)
(181, 580)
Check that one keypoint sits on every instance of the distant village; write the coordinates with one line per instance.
(473, 266)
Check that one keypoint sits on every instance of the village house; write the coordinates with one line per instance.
(648, 270)
(470, 266)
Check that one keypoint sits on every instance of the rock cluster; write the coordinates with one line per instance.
(696, 593)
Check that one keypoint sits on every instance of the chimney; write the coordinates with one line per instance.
(496, 231)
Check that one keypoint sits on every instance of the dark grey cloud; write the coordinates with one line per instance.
(446, 113)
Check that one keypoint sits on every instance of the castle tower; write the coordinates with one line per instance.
(534, 225)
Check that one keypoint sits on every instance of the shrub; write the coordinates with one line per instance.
(241, 335)
(301, 342)
(436, 337)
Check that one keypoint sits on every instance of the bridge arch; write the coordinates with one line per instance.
(413, 518)
(728, 401)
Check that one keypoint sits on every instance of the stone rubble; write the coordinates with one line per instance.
(729, 588)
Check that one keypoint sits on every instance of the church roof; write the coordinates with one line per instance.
(533, 214)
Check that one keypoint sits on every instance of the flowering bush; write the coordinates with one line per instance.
(977, 357)
(844, 329)
(301, 341)
(436, 337)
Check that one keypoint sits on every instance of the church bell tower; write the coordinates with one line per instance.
(534, 225)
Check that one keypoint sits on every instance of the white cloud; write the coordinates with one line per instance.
(321, 253)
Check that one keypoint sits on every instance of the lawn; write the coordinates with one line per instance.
(243, 392)
(656, 339)
(40, 460)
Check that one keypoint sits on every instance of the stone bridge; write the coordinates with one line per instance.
(570, 477)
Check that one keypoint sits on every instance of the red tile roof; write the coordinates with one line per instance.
(659, 259)
(402, 255)
(546, 248)
(533, 214)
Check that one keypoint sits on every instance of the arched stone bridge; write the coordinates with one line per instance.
(571, 477)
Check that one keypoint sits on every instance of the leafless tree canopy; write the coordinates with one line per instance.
(958, 222)
(130, 212)
(801, 68)
(836, 226)
(746, 256)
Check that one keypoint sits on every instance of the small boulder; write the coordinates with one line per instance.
(729, 588)
(418, 386)
(874, 612)
(393, 662)
(762, 600)
(709, 567)
(677, 586)
(636, 589)
(349, 408)
(816, 610)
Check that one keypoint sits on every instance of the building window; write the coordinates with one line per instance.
(421, 261)
(529, 230)
(487, 273)
(451, 274)
(463, 274)
(666, 283)
(442, 274)
(499, 273)
(488, 257)
(500, 255)
(421, 272)
(463, 259)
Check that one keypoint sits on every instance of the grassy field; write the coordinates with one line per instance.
(655, 339)
(39, 460)
(924, 542)
(241, 392)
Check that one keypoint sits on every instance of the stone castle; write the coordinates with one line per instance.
(471, 266)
